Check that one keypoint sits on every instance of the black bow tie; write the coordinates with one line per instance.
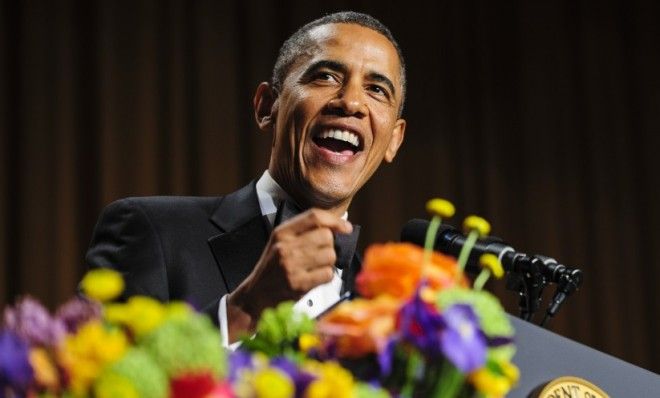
(345, 244)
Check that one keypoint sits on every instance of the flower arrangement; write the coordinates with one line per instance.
(93, 347)
(418, 330)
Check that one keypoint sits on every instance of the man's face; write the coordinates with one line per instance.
(336, 117)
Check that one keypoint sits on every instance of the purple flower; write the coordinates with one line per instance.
(300, 379)
(15, 370)
(386, 357)
(285, 365)
(239, 360)
(455, 333)
(462, 342)
(76, 312)
(498, 341)
(32, 322)
(421, 325)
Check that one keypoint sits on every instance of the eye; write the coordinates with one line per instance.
(377, 89)
(325, 77)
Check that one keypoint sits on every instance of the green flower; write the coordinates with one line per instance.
(364, 390)
(278, 331)
(186, 345)
(115, 386)
(136, 374)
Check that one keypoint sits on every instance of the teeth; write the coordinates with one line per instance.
(346, 136)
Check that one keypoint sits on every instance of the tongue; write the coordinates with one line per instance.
(334, 145)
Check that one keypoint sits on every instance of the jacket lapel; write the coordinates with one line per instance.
(244, 235)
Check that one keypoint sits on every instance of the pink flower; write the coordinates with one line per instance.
(76, 312)
(32, 322)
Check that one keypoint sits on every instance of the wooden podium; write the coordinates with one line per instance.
(543, 356)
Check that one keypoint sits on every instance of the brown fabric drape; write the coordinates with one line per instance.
(541, 116)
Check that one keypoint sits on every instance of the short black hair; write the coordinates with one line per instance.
(298, 43)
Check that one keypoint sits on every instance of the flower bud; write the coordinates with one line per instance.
(440, 207)
(476, 223)
(491, 262)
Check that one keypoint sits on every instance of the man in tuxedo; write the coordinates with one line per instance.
(333, 109)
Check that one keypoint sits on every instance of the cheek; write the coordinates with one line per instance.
(382, 128)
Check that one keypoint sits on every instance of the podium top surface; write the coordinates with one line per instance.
(543, 356)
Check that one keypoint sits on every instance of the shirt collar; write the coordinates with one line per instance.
(270, 194)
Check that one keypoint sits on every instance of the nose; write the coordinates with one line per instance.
(349, 101)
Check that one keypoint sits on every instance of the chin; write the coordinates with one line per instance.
(329, 195)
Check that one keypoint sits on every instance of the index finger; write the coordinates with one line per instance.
(316, 218)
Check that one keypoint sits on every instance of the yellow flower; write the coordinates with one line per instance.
(85, 354)
(140, 314)
(427, 294)
(178, 310)
(495, 379)
(510, 371)
(490, 384)
(333, 381)
(491, 262)
(45, 372)
(441, 208)
(308, 341)
(272, 383)
(113, 386)
(102, 284)
(476, 223)
(260, 360)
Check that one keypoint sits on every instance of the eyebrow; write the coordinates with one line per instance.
(343, 68)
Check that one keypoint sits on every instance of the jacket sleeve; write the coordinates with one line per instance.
(125, 239)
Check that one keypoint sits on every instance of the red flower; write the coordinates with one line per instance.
(196, 385)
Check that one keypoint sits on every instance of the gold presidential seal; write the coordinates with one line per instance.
(570, 387)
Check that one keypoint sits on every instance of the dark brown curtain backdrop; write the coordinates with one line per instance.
(541, 116)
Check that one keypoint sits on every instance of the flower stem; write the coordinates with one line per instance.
(481, 279)
(467, 248)
(431, 234)
(413, 369)
(450, 381)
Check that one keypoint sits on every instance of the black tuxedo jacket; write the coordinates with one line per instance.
(195, 249)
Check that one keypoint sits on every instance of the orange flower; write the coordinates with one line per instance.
(396, 269)
(360, 326)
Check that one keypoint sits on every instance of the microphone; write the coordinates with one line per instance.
(528, 274)
(450, 241)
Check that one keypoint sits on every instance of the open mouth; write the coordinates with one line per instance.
(339, 141)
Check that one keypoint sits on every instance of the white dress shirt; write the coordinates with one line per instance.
(313, 303)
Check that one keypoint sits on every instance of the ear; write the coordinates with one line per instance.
(264, 106)
(396, 140)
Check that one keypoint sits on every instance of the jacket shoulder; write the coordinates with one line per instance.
(156, 205)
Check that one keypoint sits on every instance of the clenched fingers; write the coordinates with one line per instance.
(313, 219)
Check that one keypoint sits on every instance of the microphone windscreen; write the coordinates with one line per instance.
(414, 231)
